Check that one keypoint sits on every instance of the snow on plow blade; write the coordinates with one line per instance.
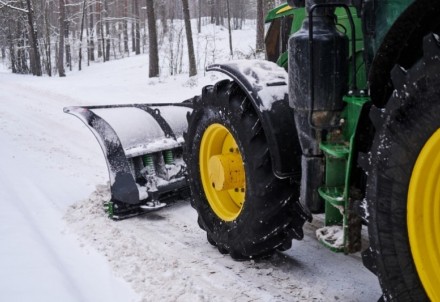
(142, 145)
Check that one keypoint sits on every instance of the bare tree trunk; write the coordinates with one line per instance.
(101, 40)
(163, 15)
(191, 56)
(86, 24)
(126, 26)
(260, 27)
(229, 28)
(99, 28)
(81, 35)
(12, 52)
(242, 17)
(145, 30)
(107, 32)
(211, 3)
(47, 41)
(60, 65)
(199, 24)
(237, 13)
(152, 39)
(92, 39)
(22, 66)
(102, 44)
(35, 58)
(66, 40)
(221, 12)
(133, 25)
(137, 28)
(217, 12)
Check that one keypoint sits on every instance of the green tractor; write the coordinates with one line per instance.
(342, 119)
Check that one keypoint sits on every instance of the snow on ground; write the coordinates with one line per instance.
(165, 257)
(43, 169)
(57, 244)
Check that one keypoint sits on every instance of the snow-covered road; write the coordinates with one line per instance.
(57, 244)
(41, 173)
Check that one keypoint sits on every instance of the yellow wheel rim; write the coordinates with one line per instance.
(423, 216)
(222, 172)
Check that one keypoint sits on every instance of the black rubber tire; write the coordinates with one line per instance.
(268, 219)
(402, 128)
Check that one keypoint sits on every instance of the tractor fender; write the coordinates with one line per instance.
(265, 84)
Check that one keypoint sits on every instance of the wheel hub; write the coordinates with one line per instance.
(423, 216)
(226, 172)
(222, 172)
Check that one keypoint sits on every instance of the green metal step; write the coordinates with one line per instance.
(334, 195)
(336, 150)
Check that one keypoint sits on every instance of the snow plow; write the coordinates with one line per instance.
(350, 131)
(142, 145)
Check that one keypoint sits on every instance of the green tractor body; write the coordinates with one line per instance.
(332, 196)
(350, 65)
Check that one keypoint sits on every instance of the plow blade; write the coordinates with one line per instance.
(142, 145)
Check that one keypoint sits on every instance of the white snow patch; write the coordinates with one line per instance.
(364, 206)
(333, 235)
(143, 194)
(151, 147)
(266, 78)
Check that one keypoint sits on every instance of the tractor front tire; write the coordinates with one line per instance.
(252, 213)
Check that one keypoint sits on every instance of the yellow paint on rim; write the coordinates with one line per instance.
(423, 216)
(222, 172)
(284, 9)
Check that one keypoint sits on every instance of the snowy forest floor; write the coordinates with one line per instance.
(58, 245)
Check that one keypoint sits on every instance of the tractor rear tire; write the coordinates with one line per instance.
(403, 229)
(262, 214)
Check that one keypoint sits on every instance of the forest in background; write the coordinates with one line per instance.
(51, 36)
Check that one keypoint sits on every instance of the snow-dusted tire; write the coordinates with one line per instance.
(409, 120)
(267, 220)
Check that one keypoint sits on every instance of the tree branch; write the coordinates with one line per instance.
(5, 4)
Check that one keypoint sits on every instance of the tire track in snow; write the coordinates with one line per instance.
(165, 257)
(37, 230)
(38, 260)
